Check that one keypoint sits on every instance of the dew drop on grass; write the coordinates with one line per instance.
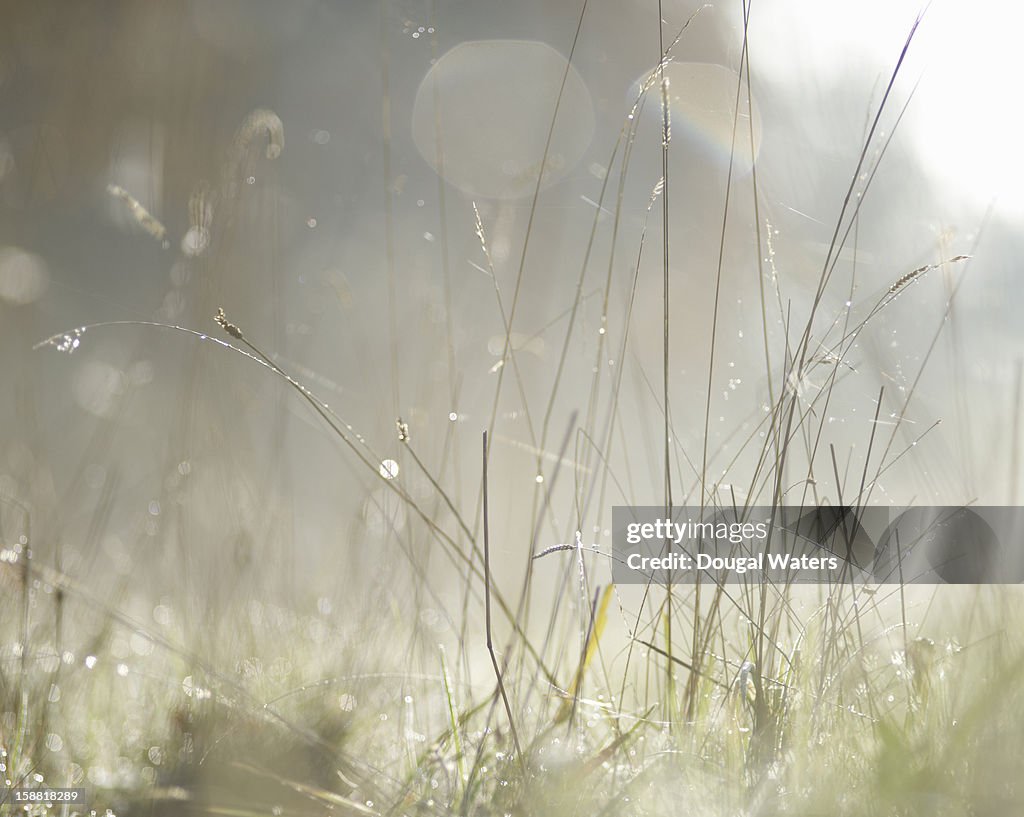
(68, 342)
(388, 469)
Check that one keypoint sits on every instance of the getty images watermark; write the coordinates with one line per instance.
(934, 545)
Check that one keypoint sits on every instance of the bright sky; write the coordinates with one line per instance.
(963, 120)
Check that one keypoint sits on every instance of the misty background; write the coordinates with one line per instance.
(153, 459)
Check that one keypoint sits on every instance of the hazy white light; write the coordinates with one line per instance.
(966, 125)
(493, 101)
(195, 241)
(96, 387)
(962, 124)
(140, 644)
(23, 276)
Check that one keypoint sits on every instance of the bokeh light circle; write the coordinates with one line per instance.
(491, 102)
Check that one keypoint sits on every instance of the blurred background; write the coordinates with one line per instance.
(312, 167)
(352, 259)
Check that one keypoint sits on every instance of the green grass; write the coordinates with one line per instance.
(433, 681)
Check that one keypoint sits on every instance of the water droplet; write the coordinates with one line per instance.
(389, 469)
(68, 342)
